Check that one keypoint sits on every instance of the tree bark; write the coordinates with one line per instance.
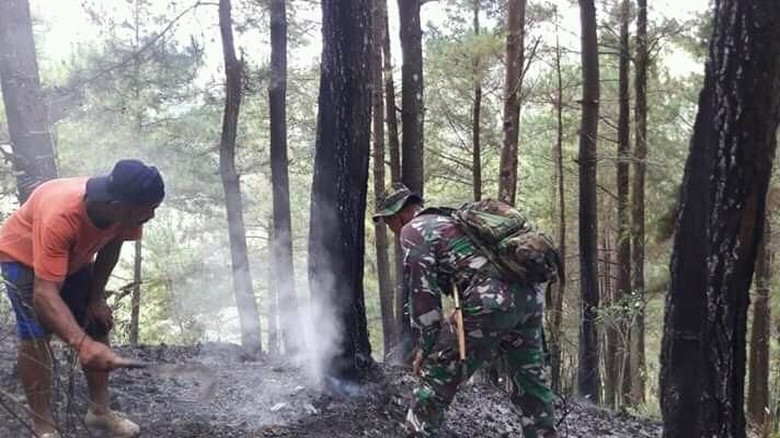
(588, 372)
(403, 327)
(412, 103)
(758, 388)
(557, 311)
(390, 106)
(720, 224)
(338, 202)
(412, 152)
(135, 302)
(26, 112)
(386, 302)
(476, 147)
(242, 278)
(273, 296)
(623, 286)
(135, 305)
(637, 337)
(611, 349)
(507, 184)
(282, 261)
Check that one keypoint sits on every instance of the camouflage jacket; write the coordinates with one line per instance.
(437, 257)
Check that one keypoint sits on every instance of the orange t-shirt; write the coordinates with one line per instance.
(52, 233)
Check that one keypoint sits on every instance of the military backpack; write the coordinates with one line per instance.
(514, 245)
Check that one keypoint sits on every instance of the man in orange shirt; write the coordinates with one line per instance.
(57, 252)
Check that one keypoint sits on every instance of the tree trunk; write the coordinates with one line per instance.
(382, 258)
(557, 311)
(282, 261)
(412, 116)
(588, 372)
(26, 112)
(412, 103)
(720, 224)
(242, 278)
(758, 389)
(637, 336)
(612, 336)
(476, 148)
(515, 23)
(403, 328)
(390, 106)
(273, 296)
(623, 286)
(135, 304)
(338, 201)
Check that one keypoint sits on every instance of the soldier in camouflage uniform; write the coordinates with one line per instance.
(502, 318)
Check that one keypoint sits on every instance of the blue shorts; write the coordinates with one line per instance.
(19, 288)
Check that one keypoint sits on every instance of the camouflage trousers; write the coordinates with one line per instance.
(501, 321)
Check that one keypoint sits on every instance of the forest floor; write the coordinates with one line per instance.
(213, 391)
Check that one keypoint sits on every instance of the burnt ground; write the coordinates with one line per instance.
(214, 391)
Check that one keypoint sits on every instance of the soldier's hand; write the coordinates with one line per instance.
(417, 362)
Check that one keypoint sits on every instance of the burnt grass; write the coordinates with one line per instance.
(213, 390)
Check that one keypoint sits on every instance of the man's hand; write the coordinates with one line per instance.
(96, 356)
(100, 314)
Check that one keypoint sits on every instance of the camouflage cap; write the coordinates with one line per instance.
(393, 200)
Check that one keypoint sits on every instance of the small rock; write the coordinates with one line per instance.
(278, 406)
(311, 409)
(298, 389)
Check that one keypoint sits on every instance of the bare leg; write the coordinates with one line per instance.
(99, 416)
(97, 384)
(34, 360)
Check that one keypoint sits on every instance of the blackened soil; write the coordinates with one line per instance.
(214, 391)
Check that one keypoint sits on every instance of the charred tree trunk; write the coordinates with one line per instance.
(476, 147)
(282, 261)
(557, 311)
(242, 278)
(623, 286)
(515, 23)
(26, 112)
(637, 335)
(588, 372)
(412, 103)
(720, 224)
(338, 201)
(135, 302)
(758, 388)
(378, 120)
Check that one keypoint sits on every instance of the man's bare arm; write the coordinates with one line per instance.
(54, 313)
(105, 261)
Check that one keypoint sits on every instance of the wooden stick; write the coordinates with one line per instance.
(459, 328)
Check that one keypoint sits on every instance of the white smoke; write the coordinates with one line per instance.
(317, 333)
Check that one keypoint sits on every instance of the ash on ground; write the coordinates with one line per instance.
(214, 391)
